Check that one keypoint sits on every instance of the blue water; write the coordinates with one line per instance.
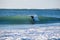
(49, 31)
(30, 32)
(41, 12)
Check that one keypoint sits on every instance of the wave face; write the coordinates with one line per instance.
(27, 20)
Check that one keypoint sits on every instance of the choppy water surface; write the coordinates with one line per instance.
(30, 32)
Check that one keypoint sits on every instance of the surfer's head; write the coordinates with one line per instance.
(32, 16)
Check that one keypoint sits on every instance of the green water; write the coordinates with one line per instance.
(48, 19)
(26, 19)
(16, 19)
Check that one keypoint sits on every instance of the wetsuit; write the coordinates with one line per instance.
(33, 21)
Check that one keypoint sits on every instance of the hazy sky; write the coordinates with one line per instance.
(40, 4)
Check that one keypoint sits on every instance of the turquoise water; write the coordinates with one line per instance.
(40, 12)
(45, 31)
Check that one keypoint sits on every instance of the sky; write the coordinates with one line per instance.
(30, 4)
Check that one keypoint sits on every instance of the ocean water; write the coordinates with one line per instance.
(30, 32)
(40, 12)
(23, 12)
(46, 31)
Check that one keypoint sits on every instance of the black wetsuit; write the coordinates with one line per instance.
(33, 19)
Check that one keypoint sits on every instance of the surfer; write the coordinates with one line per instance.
(35, 19)
(32, 19)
